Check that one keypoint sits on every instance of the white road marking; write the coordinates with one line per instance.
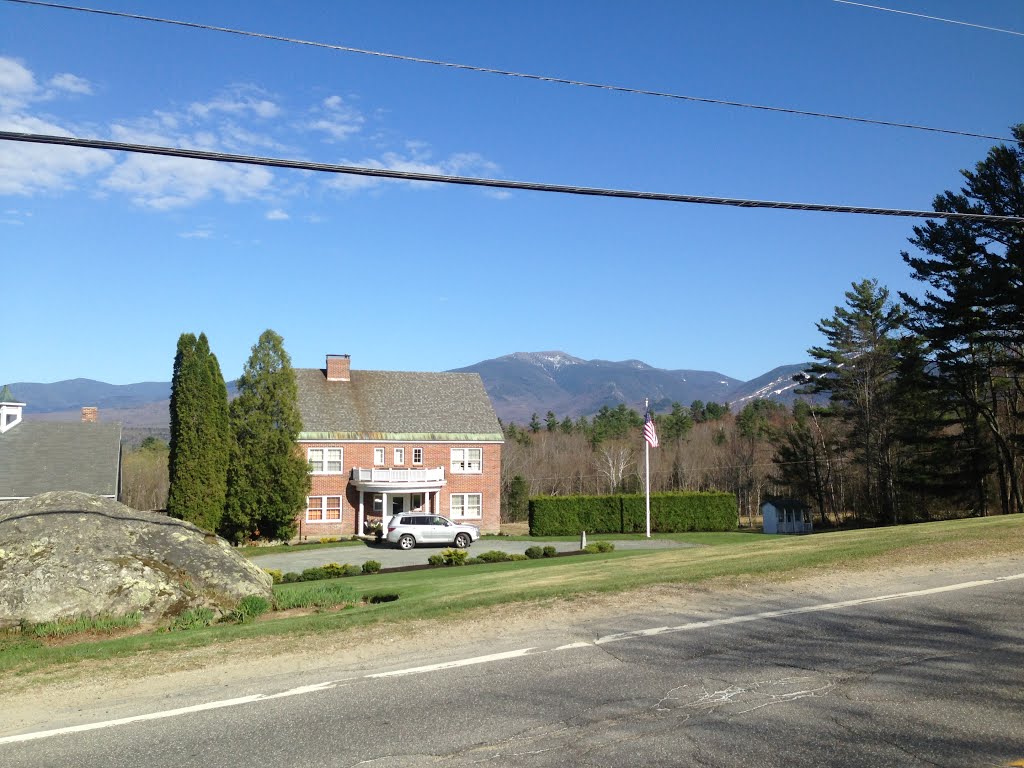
(805, 609)
(453, 664)
(328, 685)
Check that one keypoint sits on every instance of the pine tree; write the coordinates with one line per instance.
(858, 369)
(198, 455)
(268, 479)
(972, 317)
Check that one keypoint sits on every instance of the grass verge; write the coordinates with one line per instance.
(448, 592)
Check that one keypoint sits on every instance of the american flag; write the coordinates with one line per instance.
(649, 434)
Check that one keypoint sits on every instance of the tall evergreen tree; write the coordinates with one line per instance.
(198, 454)
(268, 479)
(858, 369)
(972, 316)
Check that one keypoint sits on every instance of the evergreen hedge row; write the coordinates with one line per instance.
(626, 513)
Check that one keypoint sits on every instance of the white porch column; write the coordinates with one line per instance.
(384, 514)
(361, 516)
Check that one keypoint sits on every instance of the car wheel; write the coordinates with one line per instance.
(406, 542)
(462, 541)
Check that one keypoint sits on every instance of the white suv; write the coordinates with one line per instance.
(407, 530)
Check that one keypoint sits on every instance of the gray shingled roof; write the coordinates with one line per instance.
(395, 405)
(40, 456)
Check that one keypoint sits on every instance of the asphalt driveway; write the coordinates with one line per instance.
(391, 557)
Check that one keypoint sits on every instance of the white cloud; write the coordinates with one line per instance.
(336, 119)
(71, 83)
(241, 100)
(236, 120)
(28, 169)
(420, 162)
(164, 183)
(197, 234)
(17, 83)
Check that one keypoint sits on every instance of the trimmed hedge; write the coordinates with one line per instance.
(626, 513)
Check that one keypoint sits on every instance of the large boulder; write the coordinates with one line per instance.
(66, 554)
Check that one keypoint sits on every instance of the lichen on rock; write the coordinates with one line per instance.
(66, 554)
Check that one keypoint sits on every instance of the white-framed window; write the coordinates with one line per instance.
(399, 456)
(466, 505)
(378, 457)
(465, 460)
(323, 509)
(417, 455)
(324, 461)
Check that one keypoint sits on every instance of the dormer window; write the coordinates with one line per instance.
(10, 410)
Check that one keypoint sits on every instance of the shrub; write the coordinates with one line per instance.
(670, 513)
(494, 556)
(371, 566)
(591, 548)
(517, 557)
(550, 551)
(604, 546)
(328, 539)
(291, 577)
(474, 561)
(449, 557)
(534, 552)
(193, 618)
(249, 608)
(274, 574)
(351, 570)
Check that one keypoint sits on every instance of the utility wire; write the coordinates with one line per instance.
(385, 173)
(932, 18)
(509, 73)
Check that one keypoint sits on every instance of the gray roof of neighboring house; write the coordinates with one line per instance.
(395, 405)
(40, 456)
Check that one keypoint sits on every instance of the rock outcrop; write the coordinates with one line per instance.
(66, 554)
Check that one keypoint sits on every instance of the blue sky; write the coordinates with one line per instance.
(108, 257)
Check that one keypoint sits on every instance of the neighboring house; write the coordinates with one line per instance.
(786, 516)
(384, 442)
(40, 456)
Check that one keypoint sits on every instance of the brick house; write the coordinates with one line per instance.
(384, 442)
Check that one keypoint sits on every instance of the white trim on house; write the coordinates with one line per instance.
(10, 415)
(324, 508)
(465, 506)
(325, 461)
(466, 464)
(417, 440)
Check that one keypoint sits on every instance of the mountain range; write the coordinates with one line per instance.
(519, 385)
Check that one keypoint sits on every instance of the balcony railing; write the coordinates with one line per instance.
(396, 475)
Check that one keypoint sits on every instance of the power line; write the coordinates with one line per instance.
(386, 173)
(509, 73)
(932, 18)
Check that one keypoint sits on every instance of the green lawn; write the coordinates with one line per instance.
(447, 592)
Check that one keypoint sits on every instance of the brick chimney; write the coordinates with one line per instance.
(338, 367)
(90, 414)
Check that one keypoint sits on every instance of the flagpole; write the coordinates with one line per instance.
(647, 465)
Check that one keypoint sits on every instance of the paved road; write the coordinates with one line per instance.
(391, 557)
(932, 678)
